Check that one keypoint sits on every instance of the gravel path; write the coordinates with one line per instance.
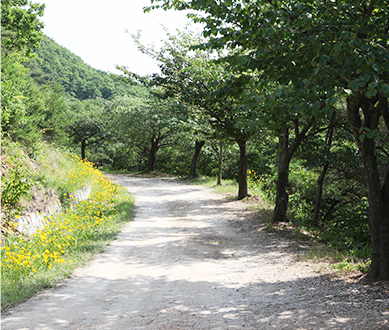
(195, 260)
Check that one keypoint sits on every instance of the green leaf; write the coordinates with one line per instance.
(373, 84)
(371, 93)
(376, 67)
(323, 60)
(269, 32)
(354, 85)
(345, 35)
(279, 92)
(359, 60)
(385, 89)
(297, 108)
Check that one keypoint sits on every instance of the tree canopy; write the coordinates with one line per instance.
(288, 98)
(334, 48)
(20, 26)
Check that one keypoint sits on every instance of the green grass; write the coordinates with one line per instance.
(229, 187)
(309, 247)
(58, 171)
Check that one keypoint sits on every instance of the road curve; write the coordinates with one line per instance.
(195, 260)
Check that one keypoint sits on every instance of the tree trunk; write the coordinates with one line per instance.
(219, 170)
(331, 210)
(151, 161)
(319, 192)
(378, 211)
(285, 155)
(320, 180)
(242, 175)
(193, 165)
(281, 206)
(152, 154)
(83, 147)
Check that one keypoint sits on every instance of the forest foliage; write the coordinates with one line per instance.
(304, 57)
(56, 65)
(36, 172)
(294, 92)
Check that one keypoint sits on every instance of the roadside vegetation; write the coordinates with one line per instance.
(342, 243)
(288, 102)
(69, 238)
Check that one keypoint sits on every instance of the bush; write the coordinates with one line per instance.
(16, 178)
(31, 263)
(349, 230)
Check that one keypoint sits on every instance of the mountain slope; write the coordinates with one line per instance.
(58, 65)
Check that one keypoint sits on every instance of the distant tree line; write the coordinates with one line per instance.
(55, 64)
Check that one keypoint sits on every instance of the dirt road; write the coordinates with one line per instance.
(195, 260)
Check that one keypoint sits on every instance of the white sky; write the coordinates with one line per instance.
(95, 30)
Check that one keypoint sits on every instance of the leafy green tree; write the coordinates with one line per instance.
(217, 147)
(198, 131)
(334, 158)
(13, 107)
(291, 128)
(16, 178)
(332, 46)
(20, 33)
(121, 150)
(20, 26)
(29, 112)
(89, 125)
(148, 125)
(195, 80)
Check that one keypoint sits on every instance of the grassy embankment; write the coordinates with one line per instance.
(68, 239)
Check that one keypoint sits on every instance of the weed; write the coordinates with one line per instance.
(349, 265)
(16, 179)
(29, 264)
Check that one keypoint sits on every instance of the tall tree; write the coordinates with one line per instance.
(331, 46)
(195, 80)
(20, 34)
(27, 110)
(20, 26)
(147, 124)
(326, 164)
(90, 124)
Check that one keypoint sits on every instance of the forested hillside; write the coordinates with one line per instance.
(39, 174)
(57, 65)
